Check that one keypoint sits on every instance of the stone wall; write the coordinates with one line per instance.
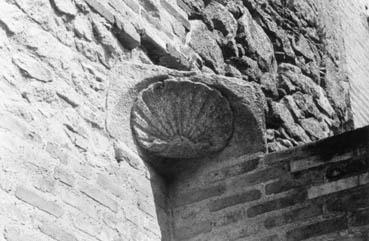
(318, 191)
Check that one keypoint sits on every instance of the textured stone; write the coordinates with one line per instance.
(102, 10)
(222, 19)
(65, 6)
(180, 119)
(202, 41)
(314, 128)
(127, 34)
(256, 42)
(281, 113)
(32, 67)
(12, 18)
(83, 28)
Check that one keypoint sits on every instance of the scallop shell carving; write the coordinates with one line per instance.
(181, 119)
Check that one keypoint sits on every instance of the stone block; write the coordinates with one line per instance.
(102, 10)
(127, 34)
(35, 200)
(234, 200)
(133, 5)
(170, 9)
(317, 229)
(56, 232)
(100, 197)
(32, 67)
(65, 6)
(174, 59)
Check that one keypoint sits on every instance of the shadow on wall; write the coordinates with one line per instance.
(183, 124)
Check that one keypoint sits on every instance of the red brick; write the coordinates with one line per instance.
(196, 195)
(331, 187)
(293, 216)
(232, 171)
(360, 218)
(234, 200)
(317, 229)
(348, 201)
(258, 177)
(229, 217)
(296, 180)
(184, 233)
(276, 204)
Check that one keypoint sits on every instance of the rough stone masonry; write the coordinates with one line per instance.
(145, 120)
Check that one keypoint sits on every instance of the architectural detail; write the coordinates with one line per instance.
(181, 119)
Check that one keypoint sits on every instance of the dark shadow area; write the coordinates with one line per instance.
(247, 137)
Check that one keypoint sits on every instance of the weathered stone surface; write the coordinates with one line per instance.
(256, 42)
(83, 28)
(221, 18)
(32, 67)
(202, 41)
(11, 18)
(127, 34)
(181, 119)
(281, 113)
(65, 6)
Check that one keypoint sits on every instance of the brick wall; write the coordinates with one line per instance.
(318, 191)
(355, 31)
